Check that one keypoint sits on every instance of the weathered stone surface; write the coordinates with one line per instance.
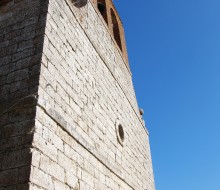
(21, 45)
(65, 84)
(8, 177)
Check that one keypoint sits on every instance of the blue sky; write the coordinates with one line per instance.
(174, 53)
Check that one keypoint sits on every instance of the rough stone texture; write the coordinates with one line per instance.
(64, 136)
(22, 26)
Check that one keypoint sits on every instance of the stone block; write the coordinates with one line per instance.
(14, 143)
(24, 174)
(52, 168)
(71, 179)
(8, 177)
(59, 185)
(48, 149)
(41, 179)
(24, 186)
(66, 163)
(17, 158)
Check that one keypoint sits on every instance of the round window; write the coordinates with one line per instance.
(120, 132)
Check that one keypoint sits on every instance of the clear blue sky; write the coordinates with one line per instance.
(174, 52)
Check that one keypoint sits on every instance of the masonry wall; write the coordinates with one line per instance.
(85, 87)
(22, 24)
(58, 109)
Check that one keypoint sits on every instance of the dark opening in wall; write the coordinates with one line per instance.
(116, 30)
(120, 133)
(79, 3)
(102, 9)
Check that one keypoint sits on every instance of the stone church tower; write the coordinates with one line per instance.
(69, 118)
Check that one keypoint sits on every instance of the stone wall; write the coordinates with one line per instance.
(109, 7)
(22, 25)
(85, 87)
(61, 102)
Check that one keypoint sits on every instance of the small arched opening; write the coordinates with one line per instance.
(120, 132)
(102, 9)
(116, 30)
